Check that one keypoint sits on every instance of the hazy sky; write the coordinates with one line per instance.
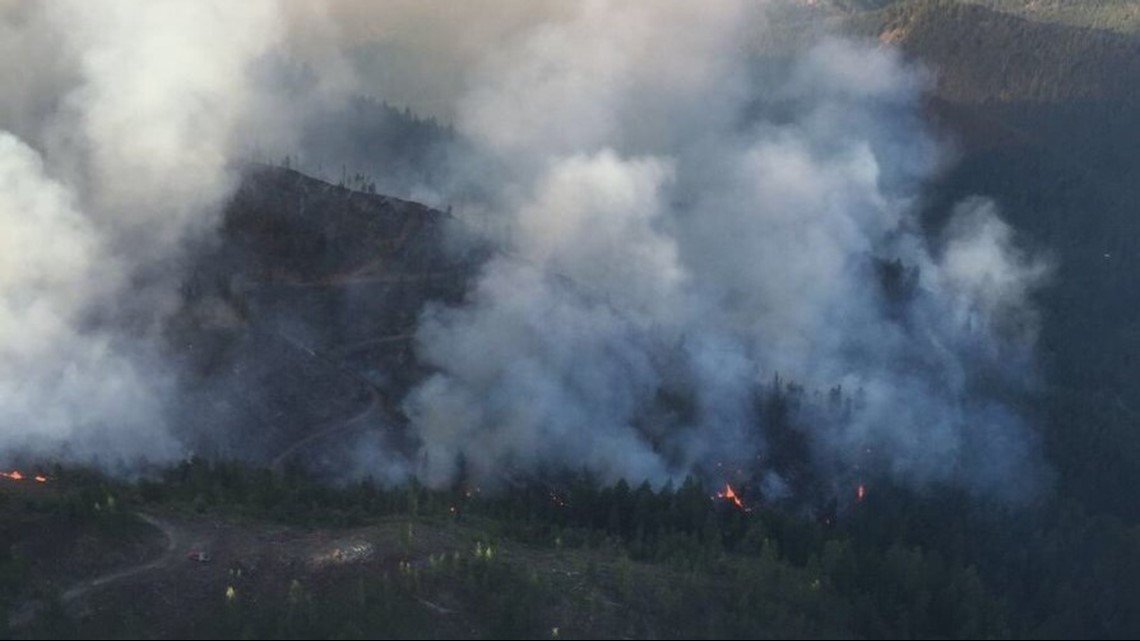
(414, 53)
(411, 52)
(418, 53)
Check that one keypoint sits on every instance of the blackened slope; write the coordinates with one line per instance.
(304, 309)
(287, 222)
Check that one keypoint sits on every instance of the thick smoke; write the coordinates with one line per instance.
(681, 232)
(116, 129)
(689, 239)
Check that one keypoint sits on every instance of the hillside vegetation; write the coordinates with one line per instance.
(980, 55)
(1112, 15)
(1121, 16)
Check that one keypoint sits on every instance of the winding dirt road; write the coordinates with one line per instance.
(332, 427)
(375, 406)
(173, 542)
(352, 348)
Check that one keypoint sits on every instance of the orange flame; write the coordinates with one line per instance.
(17, 475)
(729, 494)
(860, 492)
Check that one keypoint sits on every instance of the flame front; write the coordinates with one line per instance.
(17, 475)
(729, 494)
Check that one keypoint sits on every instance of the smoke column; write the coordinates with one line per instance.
(680, 227)
(680, 224)
(116, 129)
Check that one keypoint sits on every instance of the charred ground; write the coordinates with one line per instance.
(301, 314)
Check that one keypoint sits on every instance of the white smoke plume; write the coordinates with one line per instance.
(116, 131)
(678, 225)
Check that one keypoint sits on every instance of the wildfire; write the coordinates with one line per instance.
(729, 494)
(860, 492)
(17, 475)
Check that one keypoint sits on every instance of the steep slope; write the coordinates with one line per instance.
(1112, 15)
(1121, 16)
(1047, 116)
(982, 56)
(298, 319)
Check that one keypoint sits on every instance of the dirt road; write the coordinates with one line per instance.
(173, 542)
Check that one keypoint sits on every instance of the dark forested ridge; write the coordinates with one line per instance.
(980, 55)
(1059, 150)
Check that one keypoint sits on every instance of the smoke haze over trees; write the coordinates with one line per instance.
(676, 227)
(769, 318)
